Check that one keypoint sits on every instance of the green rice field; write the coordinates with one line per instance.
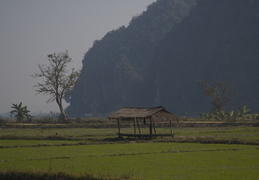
(194, 153)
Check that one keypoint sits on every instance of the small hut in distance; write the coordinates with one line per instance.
(147, 116)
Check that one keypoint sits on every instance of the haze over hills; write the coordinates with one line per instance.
(158, 59)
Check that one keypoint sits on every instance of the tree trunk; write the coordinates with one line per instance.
(63, 115)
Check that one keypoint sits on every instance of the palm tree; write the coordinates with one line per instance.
(243, 111)
(20, 112)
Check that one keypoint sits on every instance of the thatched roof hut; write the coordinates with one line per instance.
(151, 114)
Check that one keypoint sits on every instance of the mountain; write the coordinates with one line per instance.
(219, 41)
(115, 69)
(159, 58)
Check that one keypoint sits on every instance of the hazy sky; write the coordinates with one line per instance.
(31, 29)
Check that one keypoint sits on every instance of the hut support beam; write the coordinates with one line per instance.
(171, 129)
(134, 126)
(138, 127)
(150, 128)
(154, 126)
(119, 128)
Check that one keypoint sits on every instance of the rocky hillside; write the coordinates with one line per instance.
(160, 56)
(115, 68)
(219, 41)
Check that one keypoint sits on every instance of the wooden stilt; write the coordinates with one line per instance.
(150, 128)
(138, 127)
(171, 129)
(134, 126)
(154, 126)
(119, 128)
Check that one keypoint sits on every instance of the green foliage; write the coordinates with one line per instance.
(20, 112)
(230, 116)
(244, 111)
(219, 93)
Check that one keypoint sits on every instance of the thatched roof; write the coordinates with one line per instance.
(159, 113)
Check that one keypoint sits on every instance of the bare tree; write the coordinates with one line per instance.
(57, 80)
(219, 93)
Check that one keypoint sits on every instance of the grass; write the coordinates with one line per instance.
(36, 143)
(240, 135)
(105, 133)
(97, 153)
(143, 160)
(62, 133)
(44, 176)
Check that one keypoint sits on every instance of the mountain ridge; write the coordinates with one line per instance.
(114, 69)
(158, 59)
(209, 45)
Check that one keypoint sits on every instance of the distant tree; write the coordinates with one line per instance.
(20, 112)
(57, 80)
(219, 93)
(243, 112)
